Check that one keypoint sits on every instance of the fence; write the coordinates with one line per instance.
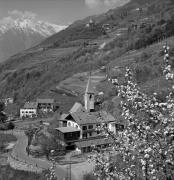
(15, 163)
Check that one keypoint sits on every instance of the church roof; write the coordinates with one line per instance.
(63, 116)
(89, 87)
(77, 107)
(83, 118)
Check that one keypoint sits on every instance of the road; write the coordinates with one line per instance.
(19, 151)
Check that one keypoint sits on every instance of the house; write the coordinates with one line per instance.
(29, 110)
(87, 121)
(68, 136)
(45, 105)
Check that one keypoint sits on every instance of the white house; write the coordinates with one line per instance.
(29, 110)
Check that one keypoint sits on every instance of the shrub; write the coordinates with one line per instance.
(11, 125)
(89, 176)
(7, 126)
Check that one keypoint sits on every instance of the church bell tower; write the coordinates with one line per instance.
(89, 96)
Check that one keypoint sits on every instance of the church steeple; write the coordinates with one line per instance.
(89, 96)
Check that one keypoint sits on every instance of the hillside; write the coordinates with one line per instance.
(130, 35)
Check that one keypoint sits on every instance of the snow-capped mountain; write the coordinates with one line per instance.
(20, 33)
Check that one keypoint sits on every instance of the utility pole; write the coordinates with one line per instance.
(70, 169)
(67, 175)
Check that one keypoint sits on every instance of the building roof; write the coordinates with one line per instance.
(92, 117)
(67, 129)
(77, 107)
(89, 87)
(30, 105)
(90, 142)
(51, 101)
(63, 116)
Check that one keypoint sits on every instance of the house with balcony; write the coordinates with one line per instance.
(68, 136)
(86, 120)
(45, 105)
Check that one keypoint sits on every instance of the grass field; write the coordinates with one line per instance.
(77, 83)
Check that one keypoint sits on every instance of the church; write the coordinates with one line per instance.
(79, 127)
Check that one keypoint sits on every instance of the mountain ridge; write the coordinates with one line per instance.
(37, 71)
(23, 32)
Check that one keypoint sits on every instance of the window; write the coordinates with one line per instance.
(97, 125)
(98, 132)
(90, 96)
(90, 134)
(119, 127)
(90, 127)
(84, 135)
(84, 127)
(69, 124)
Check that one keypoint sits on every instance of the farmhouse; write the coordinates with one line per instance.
(45, 105)
(68, 135)
(29, 110)
(85, 121)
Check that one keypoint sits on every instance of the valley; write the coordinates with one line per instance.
(82, 89)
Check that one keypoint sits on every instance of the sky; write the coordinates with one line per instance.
(61, 12)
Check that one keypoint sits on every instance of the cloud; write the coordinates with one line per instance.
(22, 14)
(107, 3)
(15, 14)
(93, 3)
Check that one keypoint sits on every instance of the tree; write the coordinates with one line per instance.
(11, 125)
(146, 146)
(2, 106)
(3, 116)
(30, 133)
(50, 143)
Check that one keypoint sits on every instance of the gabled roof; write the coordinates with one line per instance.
(77, 107)
(67, 129)
(63, 116)
(30, 105)
(89, 87)
(83, 118)
(51, 101)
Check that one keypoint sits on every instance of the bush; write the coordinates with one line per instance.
(89, 176)
(7, 126)
(11, 125)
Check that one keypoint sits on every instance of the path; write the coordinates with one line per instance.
(20, 156)
(19, 152)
